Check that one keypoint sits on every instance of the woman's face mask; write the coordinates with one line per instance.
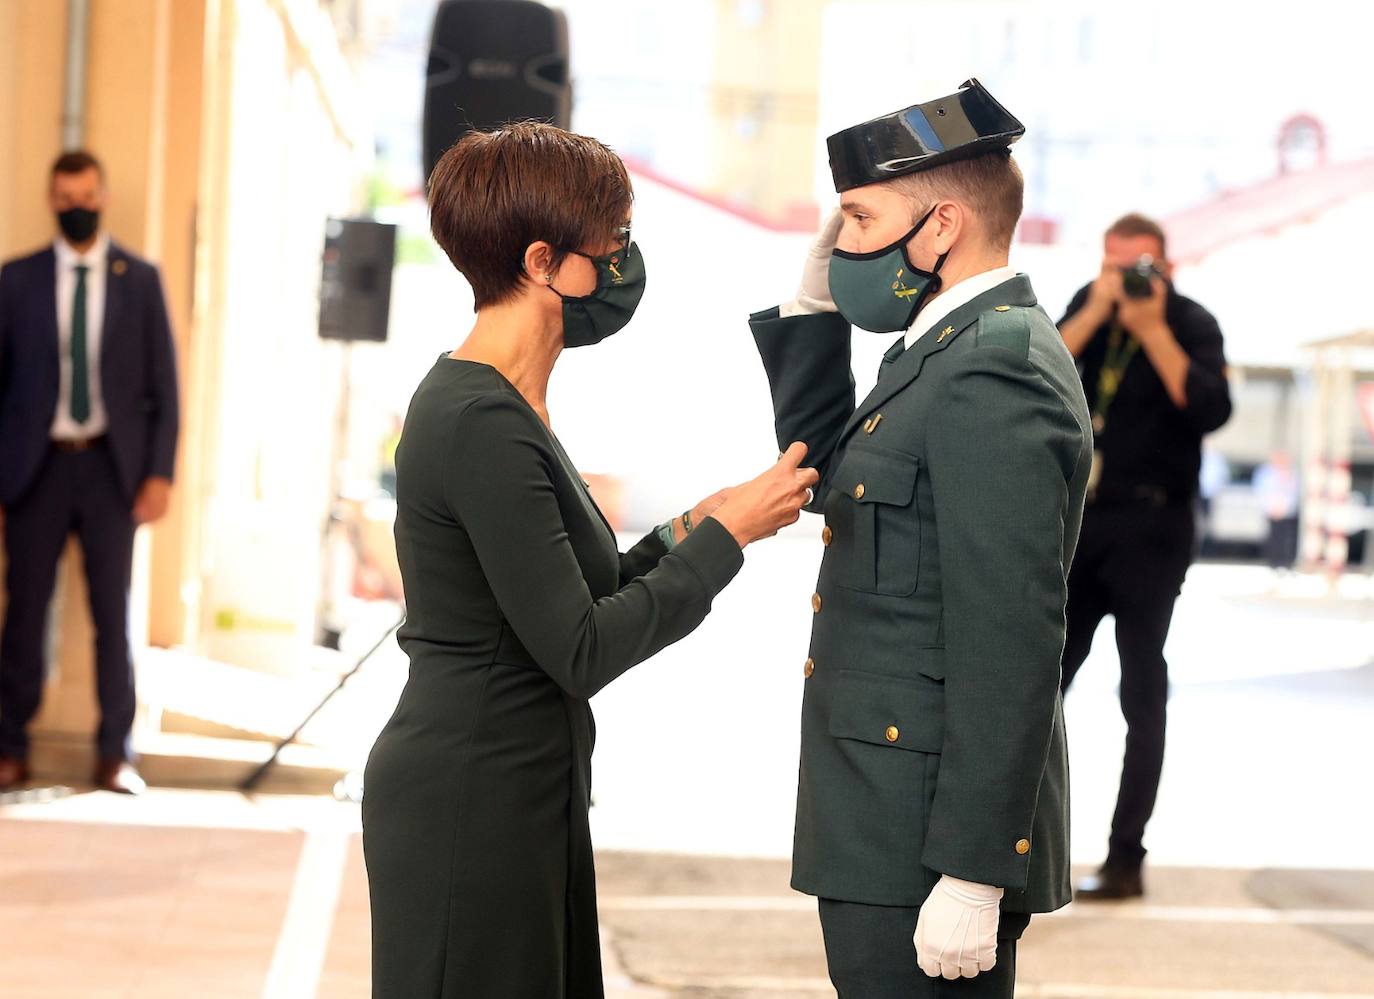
(882, 291)
(589, 319)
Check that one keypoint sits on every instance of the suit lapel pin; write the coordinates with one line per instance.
(119, 267)
(944, 333)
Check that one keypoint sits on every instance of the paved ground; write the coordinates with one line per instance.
(1261, 886)
(216, 895)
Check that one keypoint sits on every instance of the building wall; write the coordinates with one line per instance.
(224, 129)
(289, 152)
(766, 59)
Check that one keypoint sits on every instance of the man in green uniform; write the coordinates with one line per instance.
(932, 809)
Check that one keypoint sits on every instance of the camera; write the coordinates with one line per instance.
(1135, 280)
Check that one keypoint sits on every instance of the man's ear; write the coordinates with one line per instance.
(947, 224)
(1167, 267)
(539, 262)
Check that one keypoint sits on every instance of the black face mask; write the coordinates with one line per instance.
(78, 224)
(589, 319)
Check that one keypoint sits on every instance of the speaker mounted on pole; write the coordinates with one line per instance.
(355, 279)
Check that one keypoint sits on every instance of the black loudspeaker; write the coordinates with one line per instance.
(355, 286)
(492, 62)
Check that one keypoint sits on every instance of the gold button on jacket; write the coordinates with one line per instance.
(816, 602)
(809, 668)
(827, 535)
(1023, 846)
(892, 734)
(859, 491)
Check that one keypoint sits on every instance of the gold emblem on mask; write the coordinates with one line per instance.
(899, 287)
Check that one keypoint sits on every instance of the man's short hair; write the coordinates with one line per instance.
(76, 161)
(494, 193)
(991, 185)
(1136, 224)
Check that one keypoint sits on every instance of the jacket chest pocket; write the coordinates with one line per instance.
(872, 514)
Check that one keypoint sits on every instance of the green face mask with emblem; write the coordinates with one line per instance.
(882, 291)
(589, 319)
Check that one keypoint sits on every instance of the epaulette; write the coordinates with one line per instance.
(1006, 327)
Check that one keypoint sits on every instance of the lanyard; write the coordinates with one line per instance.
(1119, 355)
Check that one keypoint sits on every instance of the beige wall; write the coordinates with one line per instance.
(764, 106)
(32, 38)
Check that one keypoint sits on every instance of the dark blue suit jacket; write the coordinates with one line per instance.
(137, 370)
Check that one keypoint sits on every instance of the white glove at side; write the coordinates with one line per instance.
(956, 932)
(814, 294)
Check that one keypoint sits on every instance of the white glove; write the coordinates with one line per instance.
(956, 932)
(814, 294)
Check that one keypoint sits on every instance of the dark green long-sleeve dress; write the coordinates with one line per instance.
(519, 608)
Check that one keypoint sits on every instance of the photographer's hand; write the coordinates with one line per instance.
(1105, 292)
(1144, 319)
(1103, 295)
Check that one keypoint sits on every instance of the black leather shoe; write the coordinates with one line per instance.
(1111, 884)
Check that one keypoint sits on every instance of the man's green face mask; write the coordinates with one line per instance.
(882, 291)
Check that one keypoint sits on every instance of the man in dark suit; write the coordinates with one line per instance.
(932, 807)
(88, 428)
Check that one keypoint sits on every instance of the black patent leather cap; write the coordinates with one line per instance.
(965, 124)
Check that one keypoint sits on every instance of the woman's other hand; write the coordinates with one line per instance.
(764, 505)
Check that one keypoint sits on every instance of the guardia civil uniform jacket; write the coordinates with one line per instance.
(932, 723)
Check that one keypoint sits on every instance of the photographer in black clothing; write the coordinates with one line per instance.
(1154, 374)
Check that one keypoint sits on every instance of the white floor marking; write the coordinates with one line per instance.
(304, 938)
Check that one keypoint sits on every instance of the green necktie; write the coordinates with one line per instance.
(81, 387)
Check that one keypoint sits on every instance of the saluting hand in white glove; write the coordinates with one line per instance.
(956, 932)
(814, 294)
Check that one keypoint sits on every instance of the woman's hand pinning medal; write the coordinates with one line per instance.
(762, 506)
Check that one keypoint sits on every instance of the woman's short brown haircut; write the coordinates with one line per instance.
(494, 193)
(990, 184)
(1136, 224)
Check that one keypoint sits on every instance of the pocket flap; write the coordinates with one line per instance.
(872, 476)
(907, 713)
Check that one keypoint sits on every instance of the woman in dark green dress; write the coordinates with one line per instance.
(519, 606)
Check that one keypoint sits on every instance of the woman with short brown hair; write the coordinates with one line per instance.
(519, 606)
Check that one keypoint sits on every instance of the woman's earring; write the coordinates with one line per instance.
(548, 278)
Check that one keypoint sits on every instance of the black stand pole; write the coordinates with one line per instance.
(257, 775)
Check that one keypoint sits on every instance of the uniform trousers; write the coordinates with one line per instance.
(871, 955)
(1130, 563)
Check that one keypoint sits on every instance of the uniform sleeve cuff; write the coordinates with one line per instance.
(712, 553)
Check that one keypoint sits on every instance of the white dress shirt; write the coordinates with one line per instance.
(63, 426)
(965, 291)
